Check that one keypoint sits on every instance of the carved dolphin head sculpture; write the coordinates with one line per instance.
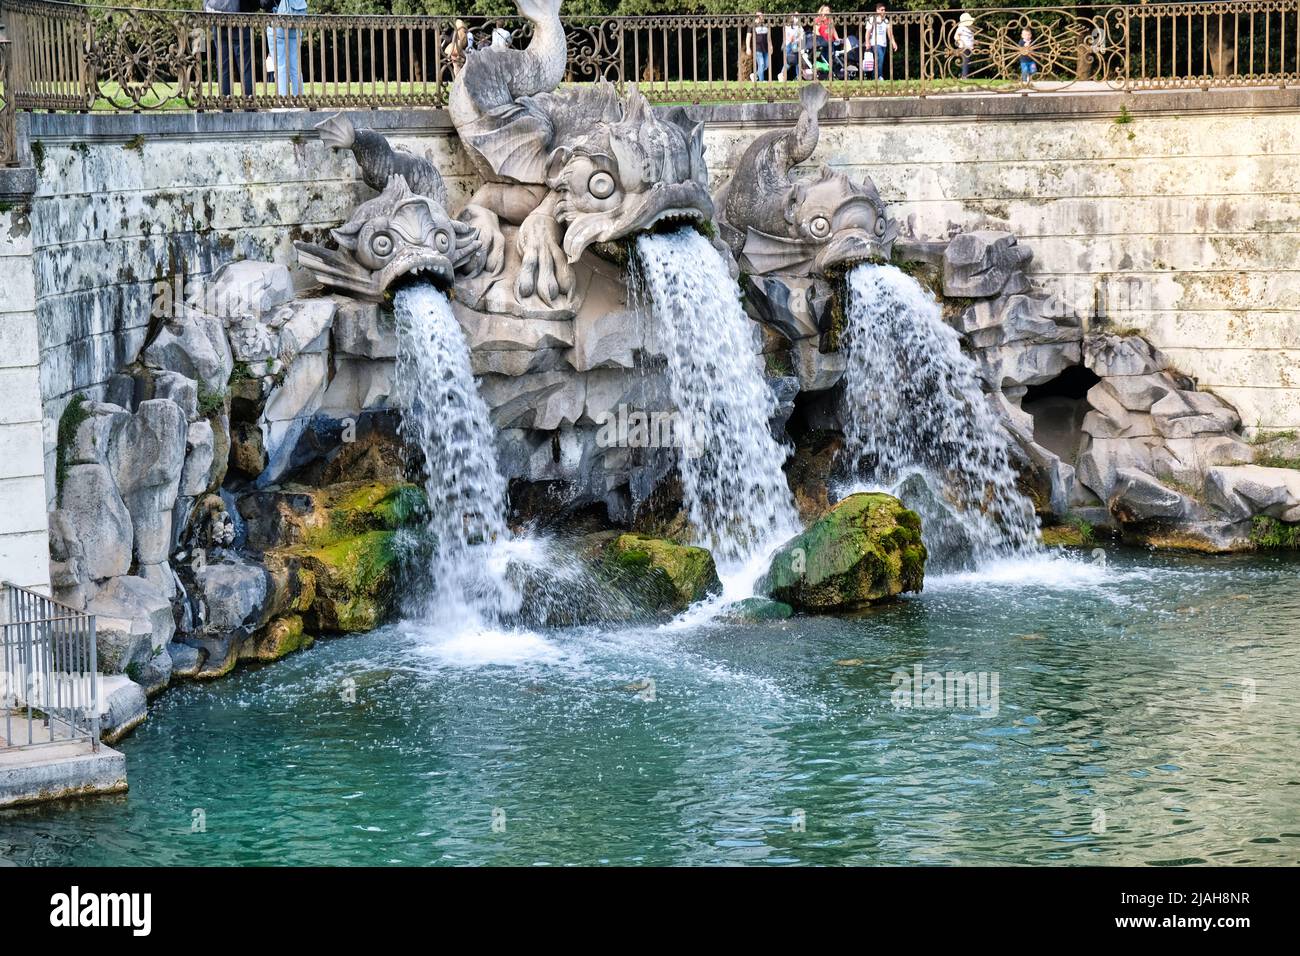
(832, 222)
(628, 177)
(399, 235)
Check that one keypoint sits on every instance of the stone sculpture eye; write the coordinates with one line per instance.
(880, 226)
(442, 242)
(601, 185)
(382, 244)
(820, 227)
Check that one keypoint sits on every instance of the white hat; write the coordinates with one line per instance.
(965, 18)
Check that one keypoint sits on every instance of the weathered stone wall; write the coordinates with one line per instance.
(1183, 223)
(1176, 215)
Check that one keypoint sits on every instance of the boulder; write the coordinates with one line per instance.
(196, 474)
(1129, 393)
(123, 706)
(984, 263)
(752, 610)
(1244, 491)
(541, 400)
(305, 326)
(133, 623)
(1109, 355)
(1184, 414)
(247, 287)
(232, 598)
(95, 512)
(661, 574)
(1136, 497)
(1101, 458)
(69, 578)
(354, 579)
(281, 637)
(233, 592)
(865, 549)
(94, 434)
(146, 458)
(196, 346)
(1186, 459)
(181, 389)
(817, 370)
(364, 330)
(186, 660)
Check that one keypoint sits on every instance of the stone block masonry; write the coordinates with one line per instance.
(24, 537)
(1172, 214)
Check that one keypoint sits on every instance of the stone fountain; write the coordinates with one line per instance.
(242, 487)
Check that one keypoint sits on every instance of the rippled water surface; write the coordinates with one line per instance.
(1148, 712)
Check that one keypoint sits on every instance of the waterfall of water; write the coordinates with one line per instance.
(736, 495)
(463, 547)
(918, 422)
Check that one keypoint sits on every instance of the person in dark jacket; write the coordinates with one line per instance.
(233, 45)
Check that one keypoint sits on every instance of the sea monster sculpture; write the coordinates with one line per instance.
(405, 231)
(568, 168)
(776, 225)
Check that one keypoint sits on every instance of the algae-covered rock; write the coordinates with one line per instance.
(866, 549)
(663, 574)
(282, 636)
(754, 609)
(354, 579)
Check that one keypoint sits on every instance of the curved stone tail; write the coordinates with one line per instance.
(336, 131)
(803, 138)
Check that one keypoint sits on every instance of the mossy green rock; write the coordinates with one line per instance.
(866, 549)
(662, 574)
(754, 609)
(354, 580)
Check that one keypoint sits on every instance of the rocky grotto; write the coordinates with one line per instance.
(248, 484)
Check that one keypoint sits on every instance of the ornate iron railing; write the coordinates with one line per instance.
(8, 128)
(81, 57)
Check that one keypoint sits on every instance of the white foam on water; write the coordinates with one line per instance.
(489, 647)
(1045, 570)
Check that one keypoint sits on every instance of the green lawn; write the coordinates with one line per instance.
(165, 96)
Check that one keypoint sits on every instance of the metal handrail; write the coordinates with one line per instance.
(78, 57)
(49, 674)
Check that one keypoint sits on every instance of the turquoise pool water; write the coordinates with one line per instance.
(1147, 711)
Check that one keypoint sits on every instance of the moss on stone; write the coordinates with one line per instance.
(373, 506)
(754, 609)
(664, 575)
(866, 549)
(354, 580)
(282, 637)
(73, 415)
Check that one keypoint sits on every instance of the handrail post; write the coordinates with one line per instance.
(94, 686)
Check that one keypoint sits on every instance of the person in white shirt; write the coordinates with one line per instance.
(965, 41)
(882, 40)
